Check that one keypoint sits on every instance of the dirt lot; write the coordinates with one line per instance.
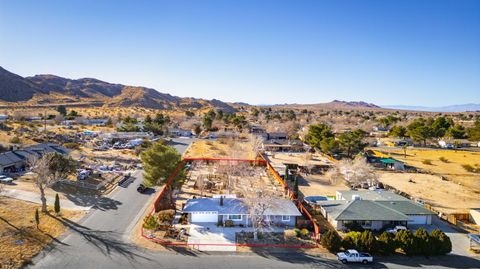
(446, 196)
(222, 148)
(450, 167)
(312, 183)
(20, 240)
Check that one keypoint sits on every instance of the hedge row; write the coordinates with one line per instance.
(418, 243)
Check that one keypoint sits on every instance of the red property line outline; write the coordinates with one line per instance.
(263, 161)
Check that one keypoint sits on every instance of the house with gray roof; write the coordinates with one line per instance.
(373, 210)
(12, 161)
(215, 210)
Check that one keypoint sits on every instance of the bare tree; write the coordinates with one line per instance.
(49, 169)
(355, 172)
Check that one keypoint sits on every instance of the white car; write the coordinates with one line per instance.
(397, 229)
(352, 255)
(5, 179)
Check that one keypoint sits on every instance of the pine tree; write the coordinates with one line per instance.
(295, 187)
(57, 204)
(37, 217)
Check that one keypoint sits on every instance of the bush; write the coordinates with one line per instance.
(331, 241)
(470, 168)
(150, 223)
(229, 223)
(368, 242)
(304, 232)
(56, 206)
(15, 140)
(386, 244)
(297, 232)
(427, 162)
(404, 239)
(440, 243)
(422, 242)
(351, 240)
(71, 145)
(166, 215)
(443, 159)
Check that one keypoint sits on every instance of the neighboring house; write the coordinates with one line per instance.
(277, 136)
(97, 122)
(125, 135)
(283, 212)
(180, 132)
(455, 143)
(16, 160)
(373, 210)
(283, 145)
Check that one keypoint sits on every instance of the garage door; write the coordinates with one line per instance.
(205, 217)
(418, 219)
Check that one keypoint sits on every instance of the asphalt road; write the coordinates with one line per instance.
(100, 240)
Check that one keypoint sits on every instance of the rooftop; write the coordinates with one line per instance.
(376, 195)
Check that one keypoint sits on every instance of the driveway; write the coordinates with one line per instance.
(209, 237)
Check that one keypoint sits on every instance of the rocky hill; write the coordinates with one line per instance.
(54, 90)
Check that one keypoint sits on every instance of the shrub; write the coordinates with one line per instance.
(404, 239)
(470, 168)
(71, 145)
(166, 215)
(15, 140)
(422, 242)
(351, 240)
(440, 243)
(443, 159)
(297, 232)
(150, 223)
(304, 232)
(37, 217)
(386, 244)
(368, 242)
(427, 162)
(229, 223)
(331, 241)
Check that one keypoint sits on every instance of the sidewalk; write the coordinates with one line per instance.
(35, 198)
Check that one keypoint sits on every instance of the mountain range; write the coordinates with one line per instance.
(452, 108)
(53, 90)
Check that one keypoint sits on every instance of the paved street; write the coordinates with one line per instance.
(100, 241)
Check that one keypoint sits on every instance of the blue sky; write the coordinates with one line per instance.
(414, 52)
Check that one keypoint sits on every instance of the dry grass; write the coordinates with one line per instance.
(222, 148)
(452, 169)
(20, 240)
(446, 196)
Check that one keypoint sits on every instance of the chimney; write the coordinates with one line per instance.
(221, 200)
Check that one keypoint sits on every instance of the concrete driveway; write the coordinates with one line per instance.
(217, 238)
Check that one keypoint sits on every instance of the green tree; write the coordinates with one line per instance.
(295, 186)
(422, 242)
(456, 132)
(254, 112)
(321, 137)
(473, 133)
(159, 162)
(404, 239)
(398, 131)
(62, 110)
(368, 242)
(386, 243)
(150, 223)
(207, 122)
(56, 206)
(419, 130)
(331, 241)
(197, 129)
(352, 143)
(440, 243)
(148, 119)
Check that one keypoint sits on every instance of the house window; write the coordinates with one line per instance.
(235, 217)
(285, 218)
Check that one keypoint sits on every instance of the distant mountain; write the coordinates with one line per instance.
(54, 90)
(335, 104)
(452, 108)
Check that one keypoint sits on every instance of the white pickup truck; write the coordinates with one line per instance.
(396, 229)
(352, 255)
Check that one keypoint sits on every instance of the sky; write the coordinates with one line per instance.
(408, 52)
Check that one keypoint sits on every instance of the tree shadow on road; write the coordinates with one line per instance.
(296, 257)
(107, 242)
(447, 261)
(96, 202)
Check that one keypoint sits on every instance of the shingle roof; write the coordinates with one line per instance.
(406, 207)
(377, 195)
(369, 210)
(237, 206)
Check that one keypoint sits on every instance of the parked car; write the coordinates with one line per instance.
(5, 179)
(141, 188)
(397, 229)
(123, 180)
(352, 255)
